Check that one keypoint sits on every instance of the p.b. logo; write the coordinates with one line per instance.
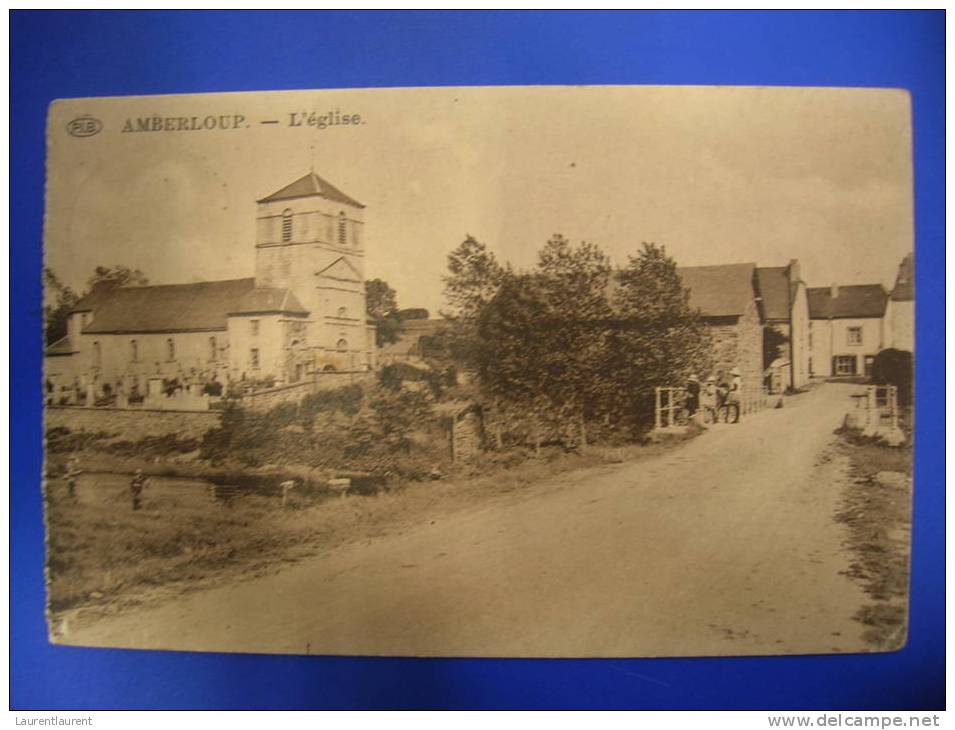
(84, 127)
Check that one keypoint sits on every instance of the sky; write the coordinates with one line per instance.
(714, 174)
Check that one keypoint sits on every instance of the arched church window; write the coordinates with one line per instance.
(342, 312)
(97, 355)
(342, 345)
(286, 225)
(170, 349)
(134, 350)
(342, 229)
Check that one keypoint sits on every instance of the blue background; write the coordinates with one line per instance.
(60, 54)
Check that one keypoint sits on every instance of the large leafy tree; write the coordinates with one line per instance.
(474, 276)
(58, 300)
(542, 339)
(659, 339)
(381, 303)
(111, 277)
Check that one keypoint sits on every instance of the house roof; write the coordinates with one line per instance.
(725, 290)
(904, 289)
(263, 300)
(63, 346)
(311, 185)
(854, 300)
(773, 285)
(168, 308)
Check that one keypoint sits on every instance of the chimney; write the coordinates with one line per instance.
(834, 291)
(794, 273)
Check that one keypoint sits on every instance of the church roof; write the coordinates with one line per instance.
(852, 301)
(311, 185)
(197, 307)
(63, 346)
(725, 290)
(268, 300)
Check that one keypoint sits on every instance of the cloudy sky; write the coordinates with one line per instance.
(717, 175)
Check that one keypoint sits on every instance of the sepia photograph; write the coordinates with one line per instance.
(527, 371)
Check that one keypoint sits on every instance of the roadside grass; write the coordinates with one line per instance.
(104, 556)
(877, 510)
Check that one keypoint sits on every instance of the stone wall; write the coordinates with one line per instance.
(467, 434)
(263, 400)
(132, 424)
(738, 342)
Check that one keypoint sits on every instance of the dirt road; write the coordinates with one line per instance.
(725, 545)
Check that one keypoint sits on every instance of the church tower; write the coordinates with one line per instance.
(310, 240)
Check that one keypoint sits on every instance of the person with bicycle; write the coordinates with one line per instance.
(709, 401)
(692, 403)
(734, 396)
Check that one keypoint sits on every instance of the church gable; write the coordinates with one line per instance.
(341, 270)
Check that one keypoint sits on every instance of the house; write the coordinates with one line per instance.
(302, 312)
(726, 297)
(848, 328)
(900, 311)
(784, 304)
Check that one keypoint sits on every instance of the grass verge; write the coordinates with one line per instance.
(877, 510)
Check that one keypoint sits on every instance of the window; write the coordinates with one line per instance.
(844, 365)
(213, 350)
(342, 229)
(254, 327)
(97, 355)
(286, 226)
(342, 312)
(134, 351)
(853, 335)
(170, 350)
(254, 358)
(342, 345)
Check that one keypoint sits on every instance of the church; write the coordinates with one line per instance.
(302, 312)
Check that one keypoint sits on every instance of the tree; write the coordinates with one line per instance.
(542, 340)
(381, 303)
(895, 367)
(111, 277)
(474, 275)
(659, 340)
(380, 299)
(58, 300)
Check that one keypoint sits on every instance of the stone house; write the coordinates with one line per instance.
(726, 298)
(783, 299)
(302, 312)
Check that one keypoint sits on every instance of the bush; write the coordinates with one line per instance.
(894, 367)
(61, 440)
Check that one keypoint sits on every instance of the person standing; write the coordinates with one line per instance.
(734, 395)
(692, 396)
(73, 472)
(136, 486)
(709, 401)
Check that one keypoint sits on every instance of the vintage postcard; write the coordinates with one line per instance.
(480, 372)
